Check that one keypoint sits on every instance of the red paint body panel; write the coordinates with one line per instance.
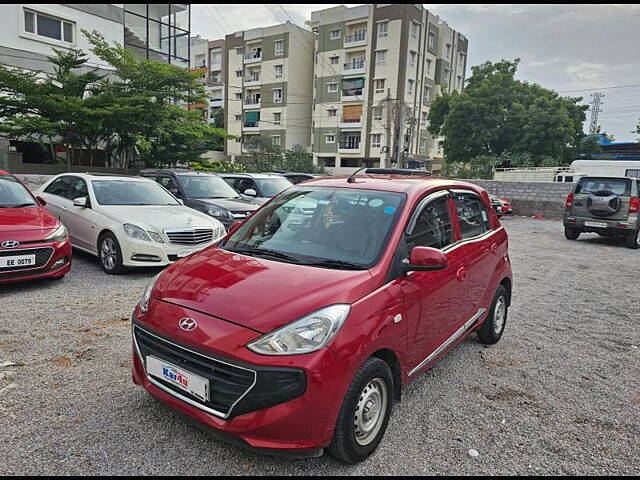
(237, 298)
(29, 226)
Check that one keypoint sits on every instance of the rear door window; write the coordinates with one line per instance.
(472, 215)
(618, 186)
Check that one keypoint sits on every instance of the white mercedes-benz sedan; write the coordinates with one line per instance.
(127, 221)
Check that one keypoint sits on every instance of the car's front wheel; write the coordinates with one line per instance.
(365, 413)
(633, 240)
(571, 233)
(493, 327)
(110, 254)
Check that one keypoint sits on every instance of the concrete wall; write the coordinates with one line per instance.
(530, 198)
(33, 181)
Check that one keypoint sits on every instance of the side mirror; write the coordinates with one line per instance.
(234, 226)
(426, 259)
(81, 202)
(175, 192)
(41, 201)
(251, 192)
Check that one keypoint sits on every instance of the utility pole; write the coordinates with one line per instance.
(387, 129)
(400, 142)
(595, 110)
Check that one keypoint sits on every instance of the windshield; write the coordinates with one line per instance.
(206, 186)
(270, 187)
(619, 186)
(330, 227)
(131, 192)
(13, 194)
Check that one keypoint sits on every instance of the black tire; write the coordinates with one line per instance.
(571, 233)
(633, 240)
(345, 446)
(493, 327)
(114, 267)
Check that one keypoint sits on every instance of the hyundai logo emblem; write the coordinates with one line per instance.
(188, 324)
(9, 244)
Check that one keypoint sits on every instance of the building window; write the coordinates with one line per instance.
(459, 81)
(332, 112)
(412, 58)
(431, 43)
(381, 57)
(383, 29)
(47, 26)
(275, 140)
(410, 87)
(329, 139)
(277, 118)
(238, 96)
(426, 94)
(428, 66)
(377, 113)
(238, 73)
(278, 70)
(334, 59)
(415, 27)
(278, 48)
(238, 118)
(334, 34)
(424, 118)
(332, 87)
(448, 49)
(376, 139)
(277, 95)
(423, 145)
(379, 85)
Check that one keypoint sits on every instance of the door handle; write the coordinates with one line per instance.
(494, 248)
(461, 274)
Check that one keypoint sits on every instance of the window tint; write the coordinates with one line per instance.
(77, 188)
(473, 216)
(59, 187)
(433, 226)
(619, 186)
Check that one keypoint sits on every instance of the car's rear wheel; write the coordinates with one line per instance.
(571, 233)
(493, 327)
(110, 254)
(633, 240)
(365, 413)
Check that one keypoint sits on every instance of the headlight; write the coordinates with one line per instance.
(136, 232)
(146, 295)
(58, 236)
(305, 335)
(156, 237)
(218, 212)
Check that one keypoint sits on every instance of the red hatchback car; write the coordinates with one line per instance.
(33, 243)
(299, 329)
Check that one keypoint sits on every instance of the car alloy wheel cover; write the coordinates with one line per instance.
(108, 253)
(370, 411)
(499, 314)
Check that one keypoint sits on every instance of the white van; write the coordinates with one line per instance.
(603, 168)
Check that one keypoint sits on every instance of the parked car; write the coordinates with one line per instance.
(502, 206)
(258, 187)
(127, 221)
(296, 177)
(205, 192)
(608, 206)
(33, 243)
(298, 330)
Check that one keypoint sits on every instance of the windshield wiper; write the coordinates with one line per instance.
(265, 251)
(20, 205)
(339, 264)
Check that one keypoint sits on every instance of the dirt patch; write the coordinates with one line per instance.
(110, 323)
(63, 362)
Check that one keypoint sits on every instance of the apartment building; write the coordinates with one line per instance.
(377, 68)
(268, 87)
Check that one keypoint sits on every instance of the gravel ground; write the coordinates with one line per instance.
(558, 394)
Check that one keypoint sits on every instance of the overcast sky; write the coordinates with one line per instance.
(564, 47)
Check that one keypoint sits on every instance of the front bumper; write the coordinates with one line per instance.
(56, 262)
(277, 413)
(136, 253)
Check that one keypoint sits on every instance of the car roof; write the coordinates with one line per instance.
(175, 171)
(104, 176)
(409, 184)
(252, 175)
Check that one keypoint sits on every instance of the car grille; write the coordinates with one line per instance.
(190, 236)
(43, 255)
(227, 383)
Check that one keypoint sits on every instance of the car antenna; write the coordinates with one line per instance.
(352, 177)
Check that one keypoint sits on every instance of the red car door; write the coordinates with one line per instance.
(435, 300)
(477, 248)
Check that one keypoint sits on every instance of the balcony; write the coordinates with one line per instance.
(351, 123)
(216, 102)
(356, 39)
(253, 57)
(354, 67)
(352, 95)
(349, 146)
(252, 102)
(251, 127)
(252, 80)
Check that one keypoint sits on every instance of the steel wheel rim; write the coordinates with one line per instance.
(499, 315)
(108, 253)
(370, 411)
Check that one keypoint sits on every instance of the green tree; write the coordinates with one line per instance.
(498, 114)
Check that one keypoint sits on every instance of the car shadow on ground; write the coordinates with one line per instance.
(93, 262)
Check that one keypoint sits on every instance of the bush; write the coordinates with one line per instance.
(220, 166)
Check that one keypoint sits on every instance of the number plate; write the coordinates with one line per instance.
(595, 224)
(184, 380)
(184, 253)
(17, 261)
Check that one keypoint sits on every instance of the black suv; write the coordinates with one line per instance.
(608, 206)
(205, 192)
